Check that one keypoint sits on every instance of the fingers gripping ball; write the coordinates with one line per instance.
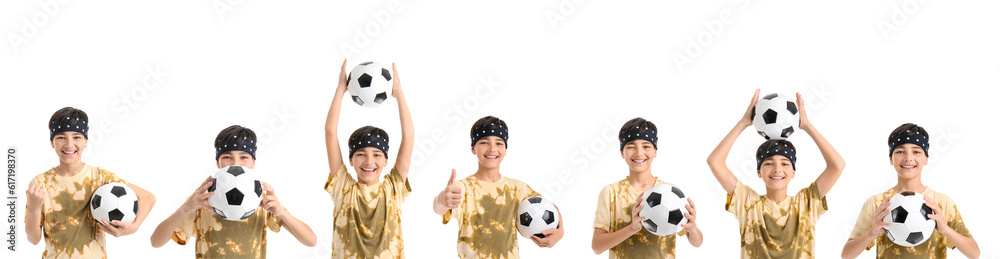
(776, 116)
(237, 193)
(663, 207)
(369, 84)
(908, 222)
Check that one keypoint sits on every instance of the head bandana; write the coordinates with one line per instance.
(777, 148)
(489, 130)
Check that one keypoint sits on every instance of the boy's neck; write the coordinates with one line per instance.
(488, 174)
(641, 180)
(67, 170)
(777, 195)
(912, 184)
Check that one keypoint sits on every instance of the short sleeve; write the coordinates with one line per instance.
(336, 183)
(742, 196)
(272, 222)
(109, 177)
(812, 200)
(186, 229)
(955, 221)
(602, 217)
(865, 221)
(400, 187)
(524, 191)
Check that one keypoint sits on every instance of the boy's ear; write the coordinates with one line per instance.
(473, 150)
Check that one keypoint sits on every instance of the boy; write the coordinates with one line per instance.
(366, 213)
(617, 224)
(908, 146)
(776, 225)
(58, 199)
(219, 238)
(486, 202)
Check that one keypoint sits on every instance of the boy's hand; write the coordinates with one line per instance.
(747, 119)
(636, 225)
(36, 196)
(804, 123)
(118, 228)
(938, 215)
(451, 196)
(342, 82)
(396, 89)
(200, 197)
(552, 236)
(691, 215)
(877, 224)
(270, 201)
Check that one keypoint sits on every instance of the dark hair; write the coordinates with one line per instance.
(485, 121)
(236, 130)
(73, 113)
(772, 142)
(906, 130)
(635, 122)
(367, 133)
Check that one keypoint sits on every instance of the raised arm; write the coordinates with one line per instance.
(717, 160)
(406, 126)
(834, 162)
(33, 212)
(334, 156)
(198, 199)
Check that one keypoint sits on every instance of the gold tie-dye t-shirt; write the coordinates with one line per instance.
(614, 212)
(486, 217)
(219, 238)
(935, 247)
(366, 219)
(777, 230)
(69, 229)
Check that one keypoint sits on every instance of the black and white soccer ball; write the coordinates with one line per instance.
(114, 201)
(908, 221)
(536, 214)
(663, 207)
(775, 117)
(237, 193)
(369, 84)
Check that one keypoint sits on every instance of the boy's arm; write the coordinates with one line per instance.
(604, 240)
(717, 160)
(855, 246)
(406, 125)
(118, 228)
(966, 245)
(334, 156)
(197, 200)
(694, 235)
(450, 197)
(33, 213)
(834, 162)
(300, 230)
(552, 236)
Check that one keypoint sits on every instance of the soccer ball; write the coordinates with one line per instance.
(909, 224)
(370, 84)
(775, 116)
(237, 193)
(663, 207)
(536, 214)
(114, 201)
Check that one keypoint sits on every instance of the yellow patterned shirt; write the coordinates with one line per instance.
(219, 238)
(777, 230)
(486, 217)
(935, 247)
(69, 229)
(366, 219)
(614, 212)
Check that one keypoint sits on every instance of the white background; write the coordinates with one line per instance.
(564, 75)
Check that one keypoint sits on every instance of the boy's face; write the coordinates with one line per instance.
(776, 171)
(908, 160)
(639, 154)
(235, 157)
(368, 162)
(69, 146)
(490, 151)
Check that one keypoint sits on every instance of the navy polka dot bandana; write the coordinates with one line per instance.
(906, 137)
(377, 141)
(637, 132)
(235, 143)
(68, 124)
(489, 130)
(777, 148)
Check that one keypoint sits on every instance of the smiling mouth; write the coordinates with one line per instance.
(908, 167)
(368, 170)
(638, 161)
(69, 152)
(777, 178)
(491, 157)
